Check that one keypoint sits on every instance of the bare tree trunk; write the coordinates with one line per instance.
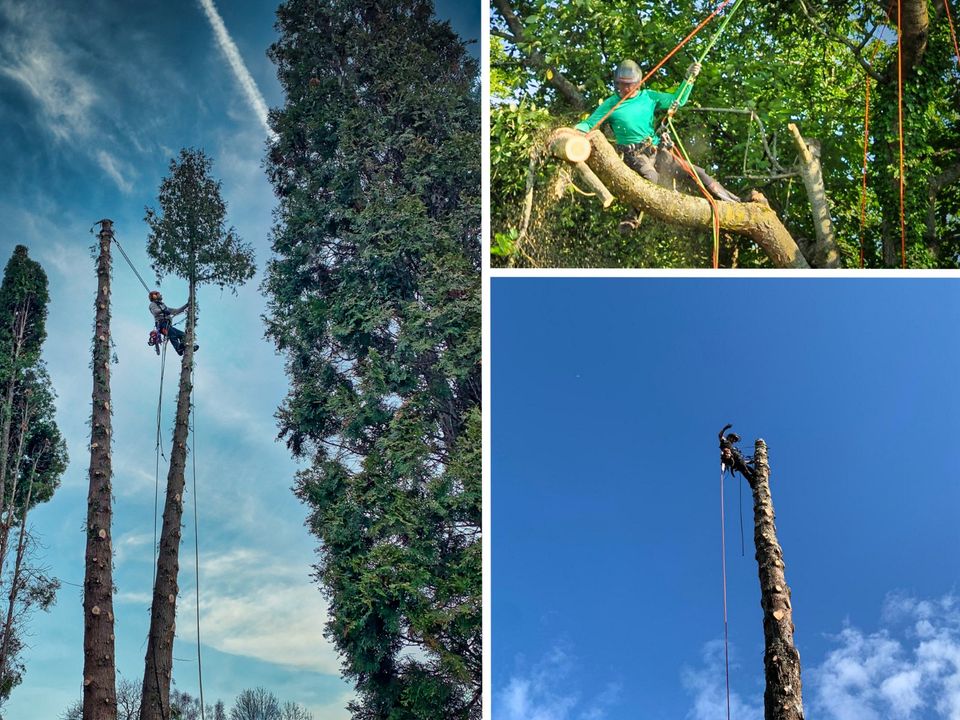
(753, 219)
(158, 668)
(826, 254)
(14, 592)
(783, 699)
(99, 657)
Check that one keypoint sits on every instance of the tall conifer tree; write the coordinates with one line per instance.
(188, 238)
(375, 300)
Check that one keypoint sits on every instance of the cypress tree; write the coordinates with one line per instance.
(375, 301)
(188, 238)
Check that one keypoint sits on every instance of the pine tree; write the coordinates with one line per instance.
(188, 238)
(375, 300)
(33, 455)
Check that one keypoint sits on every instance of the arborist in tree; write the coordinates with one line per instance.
(730, 456)
(632, 122)
(163, 316)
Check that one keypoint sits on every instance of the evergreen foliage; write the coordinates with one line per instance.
(34, 456)
(772, 59)
(375, 301)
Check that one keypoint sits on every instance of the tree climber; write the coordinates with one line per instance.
(730, 456)
(633, 127)
(163, 317)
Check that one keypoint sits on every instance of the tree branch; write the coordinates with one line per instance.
(754, 219)
(533, 58)
(813, 19)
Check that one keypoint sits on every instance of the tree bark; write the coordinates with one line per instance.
(754, 220)
(826, 254)
(782, 699)
(158, 666)
(99, 661)
(589, 178)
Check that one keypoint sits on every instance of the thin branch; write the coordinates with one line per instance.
(837, 37)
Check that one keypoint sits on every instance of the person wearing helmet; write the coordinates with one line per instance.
(163, 316)
(632, 122)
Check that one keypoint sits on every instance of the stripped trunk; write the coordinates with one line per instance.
(158, 668)
(782, 699)
(99, 659)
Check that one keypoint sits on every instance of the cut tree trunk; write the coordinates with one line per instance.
(782, 699)
(158, 666)
(826, 254)
(754, 220)
(99, 658)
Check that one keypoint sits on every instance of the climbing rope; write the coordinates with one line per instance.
(953, 32)
(723, 563)
(670, 54)
(903, 224)
(127, 258)
(687, 165)
(196, 532)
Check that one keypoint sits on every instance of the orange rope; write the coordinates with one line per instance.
(866, 136)
(660, 64)
(953, 33)
(903, 224)
(713, 203)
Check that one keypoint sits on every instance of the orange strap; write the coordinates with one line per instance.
(666, 57)
(953, 33)
(713, 203)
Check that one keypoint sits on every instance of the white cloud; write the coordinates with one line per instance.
(111, 166)
(232, 54)
(132, 542)
(253, 604)
(908, 669)
(544, 691)
(708, 685)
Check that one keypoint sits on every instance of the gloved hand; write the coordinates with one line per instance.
(693, 71)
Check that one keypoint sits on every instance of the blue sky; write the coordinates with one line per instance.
(607, 395)
(95, 97)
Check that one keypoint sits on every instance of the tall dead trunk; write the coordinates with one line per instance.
(99, 658)
(158, 668)
(782, 699)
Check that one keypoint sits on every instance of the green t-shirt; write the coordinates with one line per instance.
(632, 122)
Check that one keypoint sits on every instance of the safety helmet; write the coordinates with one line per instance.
(628, 72)
(155, 295)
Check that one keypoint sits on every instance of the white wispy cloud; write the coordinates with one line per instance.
(253, 604)
(544, 691)
(239, 68)
(908, 669)
(707, 684)
(111, 166)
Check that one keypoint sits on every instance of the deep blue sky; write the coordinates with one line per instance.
(607, 397)
(95, 98)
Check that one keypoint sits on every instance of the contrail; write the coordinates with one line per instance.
(243, 76)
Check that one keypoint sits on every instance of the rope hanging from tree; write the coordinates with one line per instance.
(683, 42)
